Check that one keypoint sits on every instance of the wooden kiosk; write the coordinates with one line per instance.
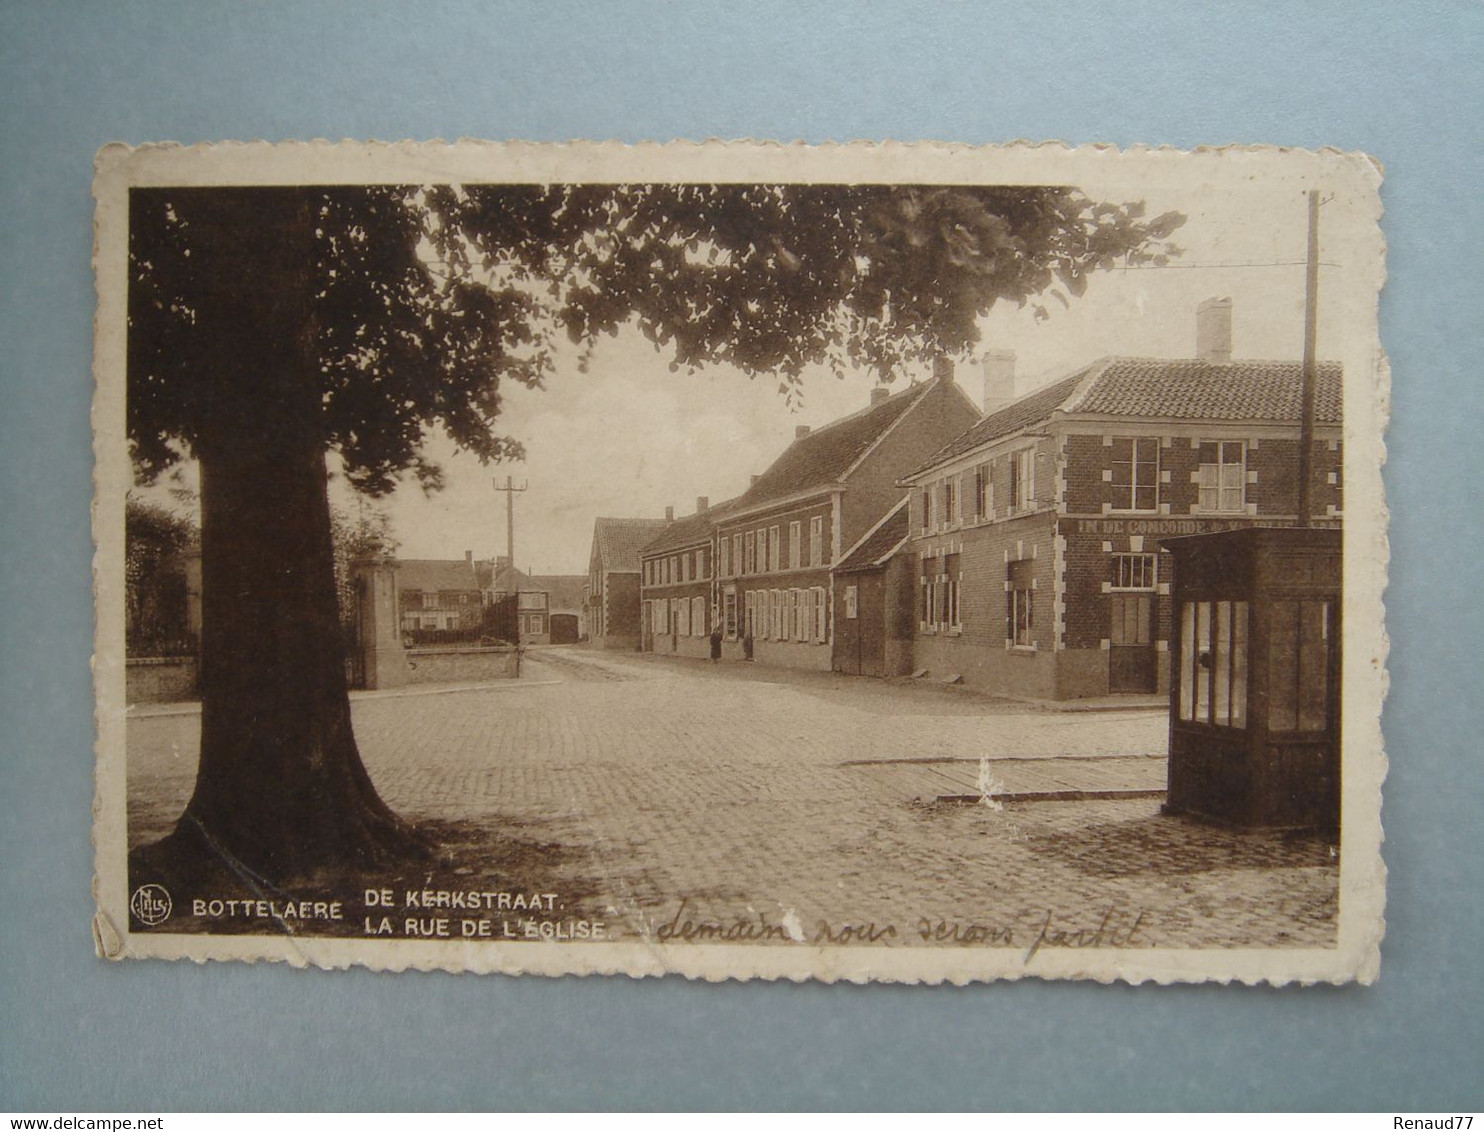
(1255, 677)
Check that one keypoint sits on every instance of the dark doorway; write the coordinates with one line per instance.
(1132, 659)
(564, 629)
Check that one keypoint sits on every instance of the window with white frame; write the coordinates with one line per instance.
(952, 576)
(795, 544)
(983, 493)
(774, 550)
(927, 604)
(1133, 572)
(1135, 473)
(1222, 477)
(729, 613)
(925, 511)
(1023, 479)
(749, 553)
(821, 623)
(780, 615)
(762, 550)
(939, 607)
(950, 501)
(1021, 612)
(816, 541)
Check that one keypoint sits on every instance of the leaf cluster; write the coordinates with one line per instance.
(422, 300)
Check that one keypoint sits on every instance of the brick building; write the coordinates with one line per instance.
(1035, 532)
(777, 542)
(678, 599)
(440, 595)
(613, 580)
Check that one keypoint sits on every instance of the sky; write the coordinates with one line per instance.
(629, 438)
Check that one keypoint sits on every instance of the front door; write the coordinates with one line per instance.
(1132, 660)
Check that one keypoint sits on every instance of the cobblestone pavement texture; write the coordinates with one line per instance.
(736, 794)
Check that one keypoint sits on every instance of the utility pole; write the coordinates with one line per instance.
(510, 491)
(1311, 335)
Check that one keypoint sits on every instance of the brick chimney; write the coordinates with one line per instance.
(469, 558)
(999, 379)
(669, 514)
(703, 503)
(1213, 331)
(879, 393)
(801, 431)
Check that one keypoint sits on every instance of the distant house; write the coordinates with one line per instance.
(566, 615)
(1036, 533)
(437, 595)
(551, 608)
(678, 600)
(778, 541)
(613, 580)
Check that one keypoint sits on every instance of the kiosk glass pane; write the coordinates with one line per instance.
(1203, 661)
(1189, 670)
(1221, 664)
(1239, 664)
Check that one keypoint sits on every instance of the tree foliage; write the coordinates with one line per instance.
(154, 537)
(366, 534)
(425, 299)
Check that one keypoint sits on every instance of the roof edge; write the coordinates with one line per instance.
(876, 526)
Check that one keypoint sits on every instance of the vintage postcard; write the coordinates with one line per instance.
(914, 563)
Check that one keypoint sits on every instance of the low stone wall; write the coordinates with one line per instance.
(459, 666)
(160, 680)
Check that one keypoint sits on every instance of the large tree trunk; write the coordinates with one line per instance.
(281, 790)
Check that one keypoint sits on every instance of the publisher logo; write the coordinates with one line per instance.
(150, 905)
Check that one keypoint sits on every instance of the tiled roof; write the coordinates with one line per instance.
(1210, 391)
(619, 541)
(432, 575)
(879, 544)
(502, 579)
(1017, 415)
(827, 453)
(1180, 388)
(564, 591)
(689, 530)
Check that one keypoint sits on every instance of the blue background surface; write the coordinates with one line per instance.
(1399, 81)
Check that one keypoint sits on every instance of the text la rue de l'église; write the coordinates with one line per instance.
(436, 913)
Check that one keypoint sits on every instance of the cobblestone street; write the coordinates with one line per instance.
(674, 791)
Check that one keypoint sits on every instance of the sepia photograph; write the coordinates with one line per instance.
(904, 563)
